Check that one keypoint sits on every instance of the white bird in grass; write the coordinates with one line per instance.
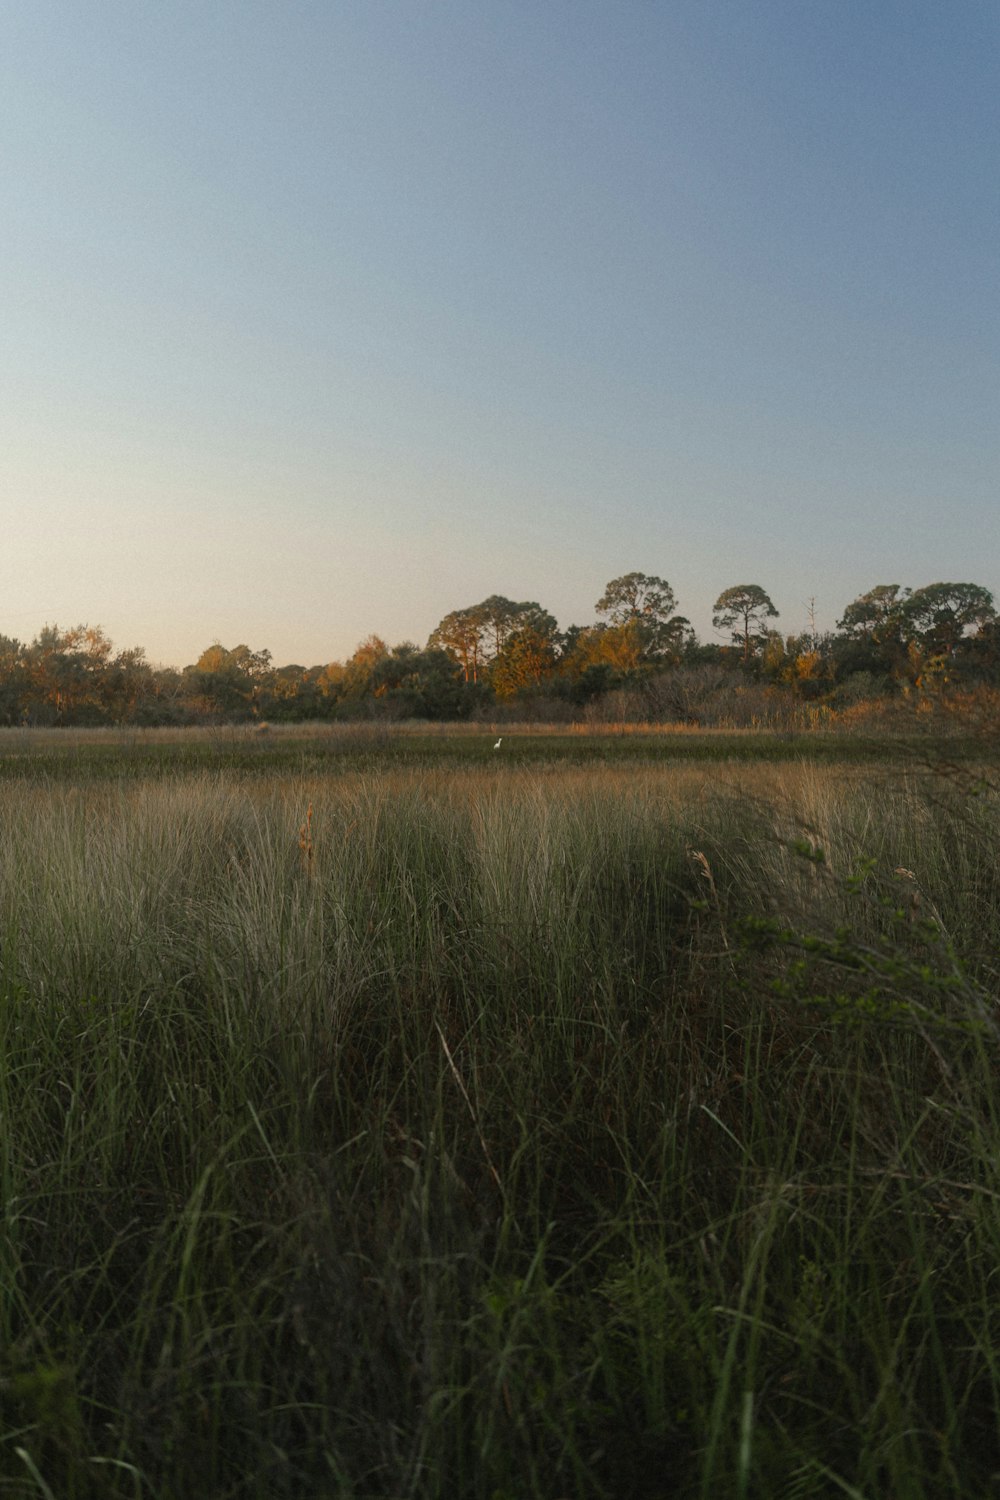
(498, 743)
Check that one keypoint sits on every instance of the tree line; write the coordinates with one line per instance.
(503, 656)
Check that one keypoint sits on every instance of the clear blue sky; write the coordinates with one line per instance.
(323, 317)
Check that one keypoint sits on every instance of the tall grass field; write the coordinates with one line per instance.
(585, 1118)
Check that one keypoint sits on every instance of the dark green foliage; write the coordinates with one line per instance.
(511, 657)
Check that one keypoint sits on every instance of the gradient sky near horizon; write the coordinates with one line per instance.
(325, 317)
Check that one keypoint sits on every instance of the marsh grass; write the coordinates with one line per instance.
(499, 1131)
(261, 752)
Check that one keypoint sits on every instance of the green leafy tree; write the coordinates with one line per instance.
(807, 664)
(497, 617)
(232, 683)
(637, 596)
(360, 671)
(942, 615)
(642, 623)
(527, 660)
(743, 611)
(476, 637)
(68, 674)
(460, 634)
(128, 685)
(417, 684)
(874, 616)
(599, 657)
(915, 635)
(981, 653)
(295, 693)
(331, 683)
(13, 680)
(869, 637)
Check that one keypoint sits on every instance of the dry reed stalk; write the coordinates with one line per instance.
(306, 847)
(705, 870)
(471, 1108)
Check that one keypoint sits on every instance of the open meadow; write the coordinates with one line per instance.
(604, 1115)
